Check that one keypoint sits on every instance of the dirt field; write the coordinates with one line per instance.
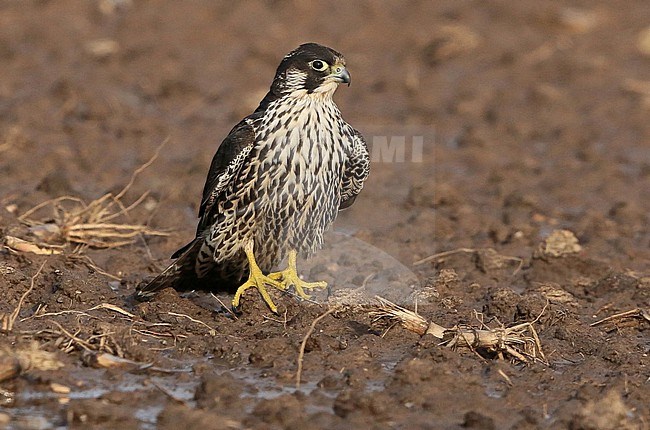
(534, 117)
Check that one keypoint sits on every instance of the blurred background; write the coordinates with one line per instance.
(533, 114)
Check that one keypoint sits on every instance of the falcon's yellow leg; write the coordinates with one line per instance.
(258, 280)
(289, 276)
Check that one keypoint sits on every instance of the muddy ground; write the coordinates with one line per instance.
(534, 118)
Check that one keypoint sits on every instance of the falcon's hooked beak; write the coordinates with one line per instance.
(340, 74)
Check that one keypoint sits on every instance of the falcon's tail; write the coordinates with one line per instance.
(179, 275)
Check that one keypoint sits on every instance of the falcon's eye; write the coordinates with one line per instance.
(318, 65)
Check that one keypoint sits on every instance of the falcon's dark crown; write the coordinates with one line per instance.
(308, 67)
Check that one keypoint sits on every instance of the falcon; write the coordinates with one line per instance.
(275, 185)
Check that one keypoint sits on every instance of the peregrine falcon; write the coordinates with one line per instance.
(275, 185)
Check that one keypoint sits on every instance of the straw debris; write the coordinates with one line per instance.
(103, 223)
(519, 343)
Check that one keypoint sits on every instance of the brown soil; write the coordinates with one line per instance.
(534, 117)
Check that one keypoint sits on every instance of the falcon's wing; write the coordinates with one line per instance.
(226, 163)
(230, 157)
(356, 170)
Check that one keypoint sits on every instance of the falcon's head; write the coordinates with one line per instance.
(310, 68)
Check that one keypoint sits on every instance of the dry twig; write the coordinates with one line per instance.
(73, 337)
(444, 254)
(85, 313)
(104, 360)
(223, 305)
(212, 331)
(488, 258)
(634, 313)
(303, 345)
(113, 308)
(89, 263)
(17, 244)
(8, 324)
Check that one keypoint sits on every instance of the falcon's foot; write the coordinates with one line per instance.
(258, 280)
(289, 276)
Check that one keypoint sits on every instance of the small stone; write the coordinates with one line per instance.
(9, 367)
(102, 48)
(59, 388)
(579, 20)
(560, 243)
(643, 42)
